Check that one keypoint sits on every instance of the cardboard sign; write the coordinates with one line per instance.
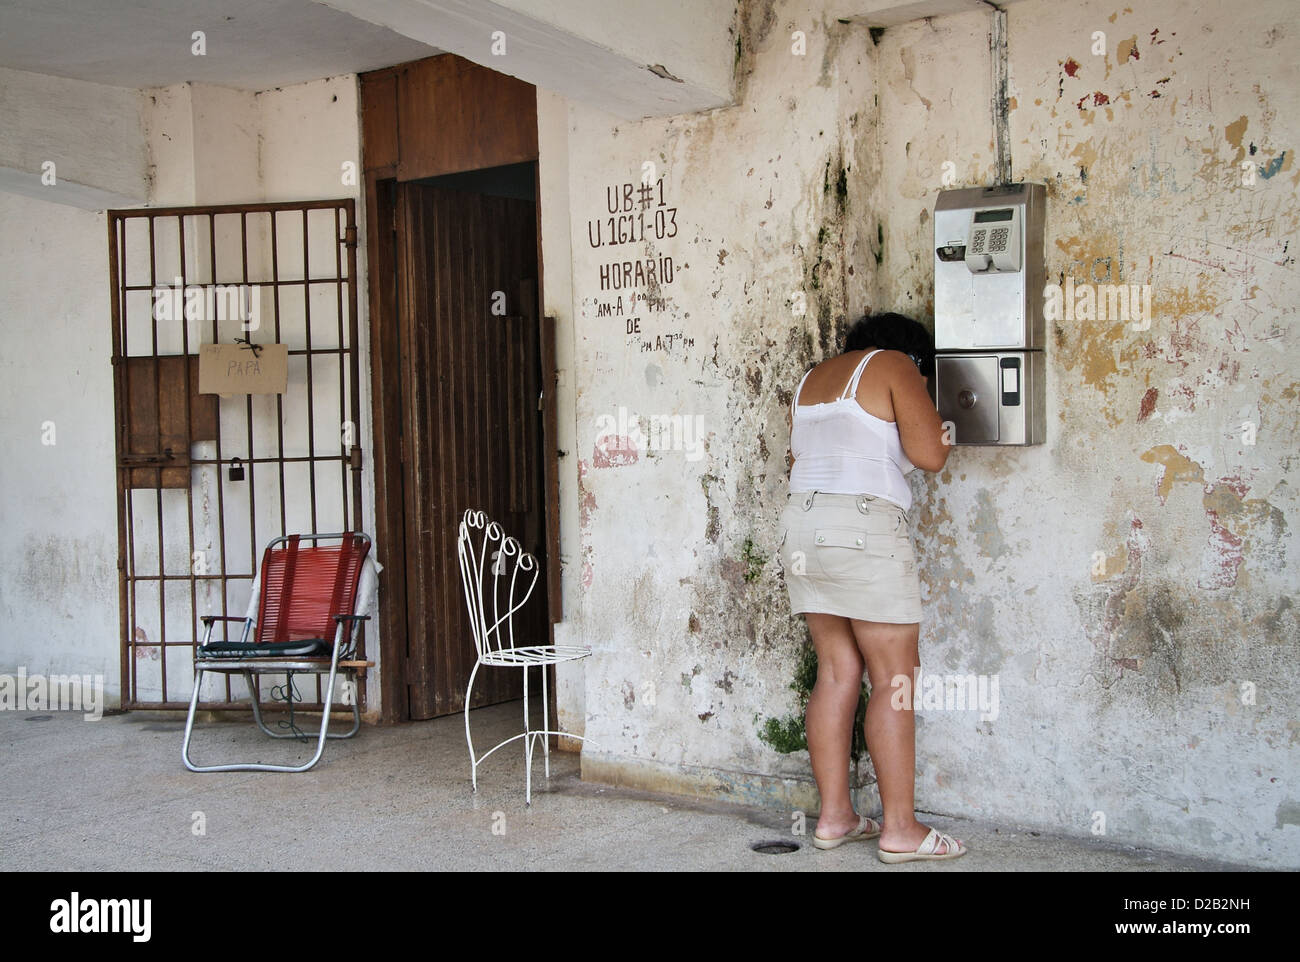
(228, 369)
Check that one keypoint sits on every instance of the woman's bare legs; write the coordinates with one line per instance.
(829, 720)
(890, 651)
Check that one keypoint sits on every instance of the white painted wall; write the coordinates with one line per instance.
(58, 518)
(557, 266)
(89, 132)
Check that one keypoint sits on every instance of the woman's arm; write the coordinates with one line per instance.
(920, 429)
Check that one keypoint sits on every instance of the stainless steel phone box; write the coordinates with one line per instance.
(990, 372)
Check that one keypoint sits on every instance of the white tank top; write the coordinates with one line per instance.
(841, 449)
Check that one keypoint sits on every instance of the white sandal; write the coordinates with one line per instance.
(867, 828)
(928, 850)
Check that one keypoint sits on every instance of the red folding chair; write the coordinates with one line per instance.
(306, 602)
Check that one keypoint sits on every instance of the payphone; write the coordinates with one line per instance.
(990, 377)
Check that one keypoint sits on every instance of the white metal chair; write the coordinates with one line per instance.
(492, 602)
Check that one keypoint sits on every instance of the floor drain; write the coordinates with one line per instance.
(775, 848)
(39, 718)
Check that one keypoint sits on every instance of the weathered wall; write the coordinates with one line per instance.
(773, 247)
(1125, 582)
(58, 522)
(1126, 675)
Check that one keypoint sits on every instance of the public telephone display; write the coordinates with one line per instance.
(993, 242)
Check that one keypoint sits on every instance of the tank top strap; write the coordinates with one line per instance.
(852, 389)
(794, 400)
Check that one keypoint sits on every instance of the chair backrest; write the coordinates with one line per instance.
(302, 588)
(498, 577)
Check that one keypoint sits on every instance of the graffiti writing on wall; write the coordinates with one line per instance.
(636, 289)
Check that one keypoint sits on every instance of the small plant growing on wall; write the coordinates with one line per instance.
(787, 735)
(754, 561)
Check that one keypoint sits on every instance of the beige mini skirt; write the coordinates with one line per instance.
(849, 555)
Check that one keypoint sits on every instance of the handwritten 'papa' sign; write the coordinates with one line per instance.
(228, 369)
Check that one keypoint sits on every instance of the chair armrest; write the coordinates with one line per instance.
(209, 620)
(346, 641)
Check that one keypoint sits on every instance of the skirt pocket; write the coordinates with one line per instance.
(841, 552)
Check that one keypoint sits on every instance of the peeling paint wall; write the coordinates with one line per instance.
(765, 211)
(1126, 582)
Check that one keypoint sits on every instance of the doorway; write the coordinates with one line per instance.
(471, 438)
(462, 365)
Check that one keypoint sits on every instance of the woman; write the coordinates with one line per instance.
(859, 423)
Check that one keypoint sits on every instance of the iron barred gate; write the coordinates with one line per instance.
(205, 481)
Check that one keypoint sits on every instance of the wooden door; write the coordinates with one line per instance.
(471, 432)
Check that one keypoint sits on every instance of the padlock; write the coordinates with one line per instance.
(236, 469)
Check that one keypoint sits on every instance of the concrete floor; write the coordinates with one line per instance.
(112, 794)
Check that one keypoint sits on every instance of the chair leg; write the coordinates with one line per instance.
(473, 762)
(326, 703)
(356, 719)
(546, 724)
(189, 721)
(528, 747)
(529, 734)
(257, 711)
(258, 767)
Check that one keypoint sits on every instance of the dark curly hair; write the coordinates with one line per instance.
(893, 332)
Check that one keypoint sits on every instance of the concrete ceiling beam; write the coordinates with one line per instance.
(640, 58)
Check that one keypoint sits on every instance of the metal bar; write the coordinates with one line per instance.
(122, 401)
(232, 706)
(354, 516)
(287, 460)
(255, 208)
(189, 435)
(279, 399)
(311, 408)
(346, 438)
(311, 419)
(221, 501)
(299, 352)
(287, 283)
(187, 577)
(354, 364)
(248, 413)
(157, 397)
